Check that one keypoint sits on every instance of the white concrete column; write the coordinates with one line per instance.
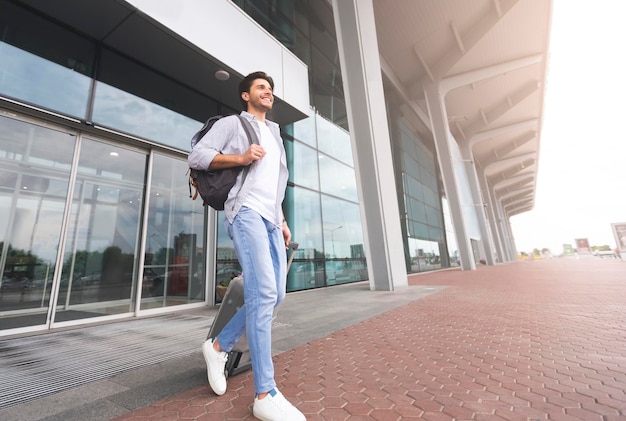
(502, 228)
(492, 216)
(479, 204)
(442, 138)
(371, 145)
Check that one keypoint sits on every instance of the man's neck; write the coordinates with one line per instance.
(258, 114)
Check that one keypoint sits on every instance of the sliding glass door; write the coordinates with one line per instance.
(99, 264)
(79, 235)
(35, 170)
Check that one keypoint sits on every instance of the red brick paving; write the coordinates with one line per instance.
(543, 340)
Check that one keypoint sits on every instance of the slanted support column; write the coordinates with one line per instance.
(371, 146)
(493, 216)
(479, 203)
(442, 137)
(503, 230)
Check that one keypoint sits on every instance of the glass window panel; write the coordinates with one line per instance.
(322, 27)
(418, 210)
(343, 241)
(174, 270)
(334, 141)
(337, 179)
(346, 271)
(102, 240)
(435, 234)
(138, 101)
(34, 179)
(419, 230)
(303, 130)
(343, 235)
(327, 84)
(284, 20)
(227, 265)
(305, 221)
(131, 114)
(410, 167)
(42, 63)
(43, 83)
(434, 217)
(429, 197)
(424, 255)
(408, 142)
(302, 164)
(414, 188)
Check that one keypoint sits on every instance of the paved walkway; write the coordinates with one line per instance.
(522, 341)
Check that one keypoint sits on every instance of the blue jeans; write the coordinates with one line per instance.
(260, 248)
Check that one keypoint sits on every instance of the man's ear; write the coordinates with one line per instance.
(245, 96)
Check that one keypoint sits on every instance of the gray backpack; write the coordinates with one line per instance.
(213, 186)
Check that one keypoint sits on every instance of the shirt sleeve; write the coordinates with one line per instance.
(219, 139)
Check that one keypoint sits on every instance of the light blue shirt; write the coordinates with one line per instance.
(227, 136)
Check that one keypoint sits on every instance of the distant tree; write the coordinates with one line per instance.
(601, 248)
(536, 252)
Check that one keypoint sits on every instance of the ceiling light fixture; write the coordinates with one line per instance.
(222, 75)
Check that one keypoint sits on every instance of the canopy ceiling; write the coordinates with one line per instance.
(501, 47)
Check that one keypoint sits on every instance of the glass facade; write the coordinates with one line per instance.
(72, 222)
(424, 212)
(34, 184)
(422, 204)
(91, 226)
(321, 204)
(307, 28)
(97, 225)
(95, 215)
(321, 207)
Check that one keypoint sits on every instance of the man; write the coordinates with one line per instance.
(255, 223)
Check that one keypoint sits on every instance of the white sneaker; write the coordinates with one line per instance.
(274, 407)
(215, 367)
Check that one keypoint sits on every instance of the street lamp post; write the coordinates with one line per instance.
(332, 237)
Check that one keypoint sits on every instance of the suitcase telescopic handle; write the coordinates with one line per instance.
(293, 246)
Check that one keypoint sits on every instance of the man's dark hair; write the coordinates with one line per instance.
(246, 84)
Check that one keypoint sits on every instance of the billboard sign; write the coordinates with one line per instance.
(619, 231)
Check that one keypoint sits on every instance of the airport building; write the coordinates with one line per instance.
(412, 133)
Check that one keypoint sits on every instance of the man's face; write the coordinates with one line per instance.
(260, 97)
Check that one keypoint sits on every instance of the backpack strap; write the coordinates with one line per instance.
(247, 127)
(252, 138)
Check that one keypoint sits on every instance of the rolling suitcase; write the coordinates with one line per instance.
(239, 356)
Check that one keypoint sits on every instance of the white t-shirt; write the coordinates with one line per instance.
(262, 197)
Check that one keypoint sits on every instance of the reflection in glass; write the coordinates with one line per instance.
(334, 141)
(98, 275)
(425, 255)
(302, 162)
(38, 81)
(43, 63)
(425, 243)
(227, 265)
(33, 186)
(174, 259)
(343, 241)
(303, 130)
(126, 112)
(337, 179)
(305, 222)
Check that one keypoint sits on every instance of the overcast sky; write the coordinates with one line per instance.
(582, 158)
